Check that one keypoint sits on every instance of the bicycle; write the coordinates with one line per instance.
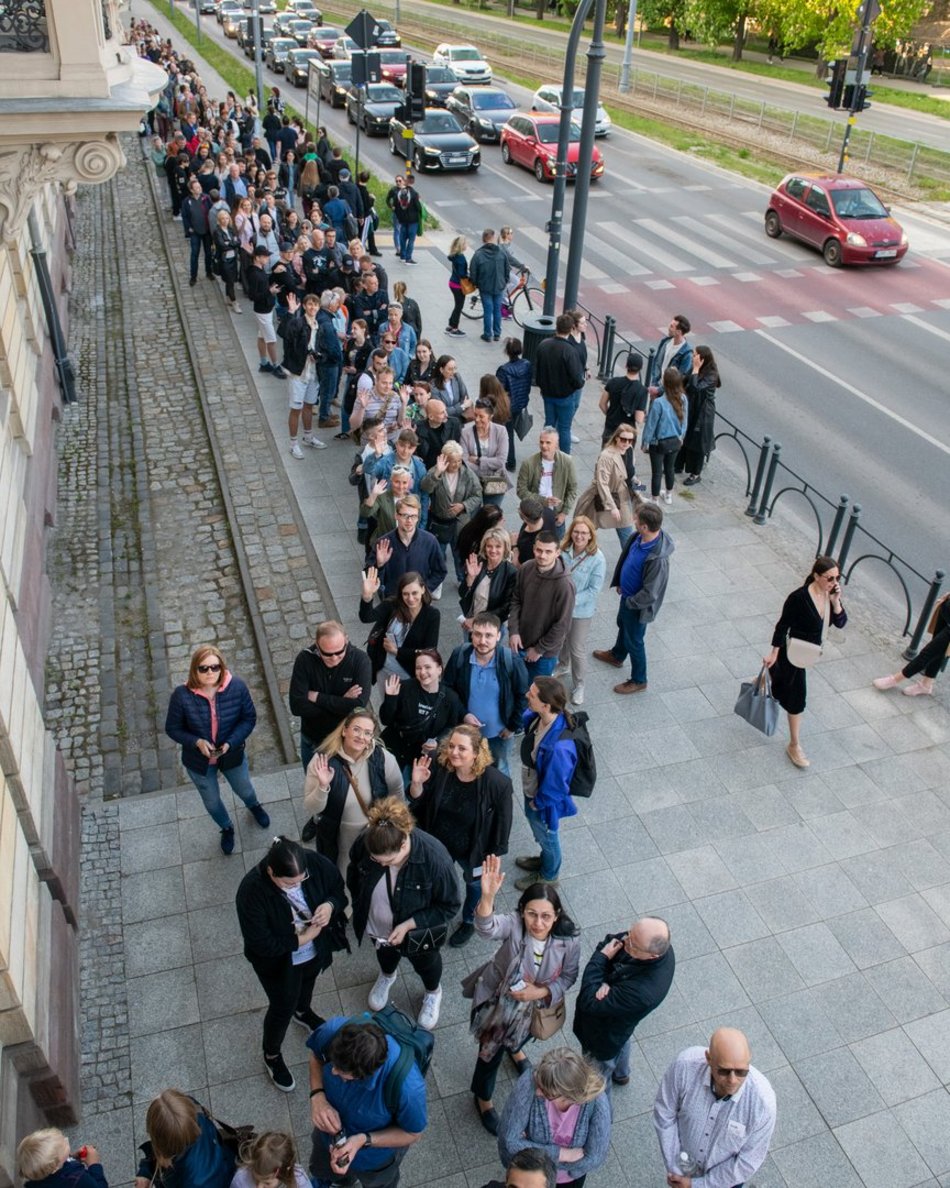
(523, 300)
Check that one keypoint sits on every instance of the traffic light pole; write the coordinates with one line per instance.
(857, 94)
(258, 67)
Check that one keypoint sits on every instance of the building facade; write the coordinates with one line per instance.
(68, 87)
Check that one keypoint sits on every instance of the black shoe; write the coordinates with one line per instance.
(280, 1074)
(692, 480)
(260, 816)
(462, 935)
(309, 831)
(521, 1066)
(485, 337)
(488, 1118)
(227, 840)
(193, 281)
(528, 862)
(278, 372)
(264, 368)
(309, 1019)
(620, 1080)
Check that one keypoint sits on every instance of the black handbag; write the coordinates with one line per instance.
(419, 940)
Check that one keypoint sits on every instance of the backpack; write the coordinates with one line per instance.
(415, 1048)
(351, 227)
(585, 772)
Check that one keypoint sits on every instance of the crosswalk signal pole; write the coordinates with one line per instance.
(866, 14)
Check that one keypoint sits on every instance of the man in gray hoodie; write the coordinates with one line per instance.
(542, 607)
(641, 577)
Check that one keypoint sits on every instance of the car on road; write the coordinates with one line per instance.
(394, 66)
(324, 38)
(373, 110)
(300, 29)
(282, 23)
(335, 80)
(229, 8)
(206, 6)
(297, 68)
(531, 141)
(305, 8)
(482, 111)
(441, 81)
(277, 52)
(840, 216)
(345, 48)
(264, 7)
(267, 36)
(386, 35)
(233, 23)
(439, 142)
(548, 98)
(467, 62)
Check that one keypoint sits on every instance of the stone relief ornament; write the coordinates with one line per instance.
(26, 169)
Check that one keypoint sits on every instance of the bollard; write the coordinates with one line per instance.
(759, 475)
(607, 348)
(929, 602)
(849, 536)
(760, 516)
(840, 513)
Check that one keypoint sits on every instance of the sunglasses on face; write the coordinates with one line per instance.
(209, 667)
(331, 655)
(732, 1072)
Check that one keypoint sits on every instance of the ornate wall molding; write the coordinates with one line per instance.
(26, 169)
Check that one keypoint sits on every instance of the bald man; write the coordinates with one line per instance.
(718, 1110)
(627, 977)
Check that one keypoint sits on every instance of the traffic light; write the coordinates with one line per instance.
(836, 83)
(416, 91)
(856, 97)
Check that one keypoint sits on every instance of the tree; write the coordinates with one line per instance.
(717, 21)
(671, 13)
(831, 26)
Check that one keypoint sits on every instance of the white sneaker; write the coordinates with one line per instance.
(437, 592)
(429, 1012)
(295, 449)
(379, 995)
(314, 443)
(577, 697)
(667, 496)
(575, 439)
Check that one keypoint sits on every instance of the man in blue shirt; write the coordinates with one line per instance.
(641, 576)
(349, 1065)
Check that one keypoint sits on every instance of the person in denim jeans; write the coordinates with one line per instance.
(211, 716)
(547, 765)
(488, 272)
(664, 431)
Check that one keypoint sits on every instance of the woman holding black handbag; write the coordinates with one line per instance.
(404, 892)
(350, 770)
(797, 642)
(417, 713)
(464, 801)
(184, 1148)
(290, 908)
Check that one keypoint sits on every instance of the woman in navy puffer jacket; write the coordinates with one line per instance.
(515, 376)
(212, 716)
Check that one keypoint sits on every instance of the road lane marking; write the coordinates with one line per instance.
(742, 225)
(750, 255)
(906, 307)
(704, 281)
(613, 287)
(654, 251)
(627, 263)
(691, 245)
(773, 321)
(788, 273)
(536, 235)
(943, 302)
(869, 400)
(659, 284)
(726, 327)
(927, 326)
(746, 277)
(864, 311)
(819, 315)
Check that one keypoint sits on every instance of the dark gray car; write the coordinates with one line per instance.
(482, 111)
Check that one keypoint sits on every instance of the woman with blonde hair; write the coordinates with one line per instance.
(270, 1161)
(607, 502)
(351, 770)
(183, 1146)
(490, 578)
(404, 893)
(457, 249)
(562, 1109)
(587, 566)
(465, 802)
(212, 716)
(456, 494)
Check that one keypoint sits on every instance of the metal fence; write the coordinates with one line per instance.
(768, 479)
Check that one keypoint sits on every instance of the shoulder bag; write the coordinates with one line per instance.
(801, 653)
(467, 286)
(547, 1021)
(419, 940)
(492, 484)
(522, 423)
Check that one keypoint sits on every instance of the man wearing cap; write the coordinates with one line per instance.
(349, 192)
(261, 291)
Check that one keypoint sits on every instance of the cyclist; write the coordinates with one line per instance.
(505, 236)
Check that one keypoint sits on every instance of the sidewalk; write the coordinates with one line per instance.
(811, 909)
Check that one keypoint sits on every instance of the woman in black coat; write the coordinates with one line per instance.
(805, 615)
(700, 439)
(417, 713)
(402, 625)
(490, 579)
(465, 802)
(290, 908)
(421, 897)
(227, 256)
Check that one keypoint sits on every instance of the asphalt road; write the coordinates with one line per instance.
(843, 367)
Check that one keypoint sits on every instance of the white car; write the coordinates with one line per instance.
(548, 98)
(467, 62)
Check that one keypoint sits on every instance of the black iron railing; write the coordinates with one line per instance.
(23, 27)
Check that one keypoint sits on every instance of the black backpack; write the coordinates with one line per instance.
(585, 773)
(415, 1048)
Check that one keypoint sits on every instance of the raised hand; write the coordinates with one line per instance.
(472, 566)
(492, 876)
(384, 550)
(441, 465)
(421, 770)
(293, 303)
(322, 770)
(393, 685)
(371, 582)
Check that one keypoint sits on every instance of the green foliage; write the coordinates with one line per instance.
(830, 24)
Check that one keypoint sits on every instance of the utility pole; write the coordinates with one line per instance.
(866, 15)
(198, 20)
(624, 85)
(258, 68)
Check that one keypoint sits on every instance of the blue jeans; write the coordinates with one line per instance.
(550, 842)
(473, 893)
(620, 1064)
(624, 534)
(196, 243)
(543, 667)
(408, 233)
(630, 642)
(397, 237)
(491, 314)
(240, 780)
(501, 753)
(307, 751)
(329, 378)
(559, 414)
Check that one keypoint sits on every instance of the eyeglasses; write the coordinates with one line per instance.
(331, 655)
(627, 439)
(362, 732)
(406, 516)
(209, 667)
(741, 1073)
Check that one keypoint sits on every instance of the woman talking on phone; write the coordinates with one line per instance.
(797, 640)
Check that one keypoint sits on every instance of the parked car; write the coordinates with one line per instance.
(345, 48)
(324, 38)
(394, 66)
(233, 23)
(467, 62)
(277, 52)
(441, 81)
(438, 142)
(299, 30)
(482, 111)
(386, 35)
(228, 8)
(531, 141)
(548, 98)
(298, 65)
(839, 215)
(335, 79)
(374, 108)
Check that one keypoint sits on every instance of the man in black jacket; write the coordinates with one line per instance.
(372, 305)
(300, 333)
(407, 212)
(433, 432)
(559, 373)
(194, 221)
(261, 292)
(627, 977)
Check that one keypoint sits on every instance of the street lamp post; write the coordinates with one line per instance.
(258, 68)
(624, 84)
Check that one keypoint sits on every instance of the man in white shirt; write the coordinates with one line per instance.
(714, 1115)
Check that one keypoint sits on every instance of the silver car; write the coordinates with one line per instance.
(548, 98)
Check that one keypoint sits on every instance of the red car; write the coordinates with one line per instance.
(394, 66)
(839, 215)
(323, 38)
(531, 140)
